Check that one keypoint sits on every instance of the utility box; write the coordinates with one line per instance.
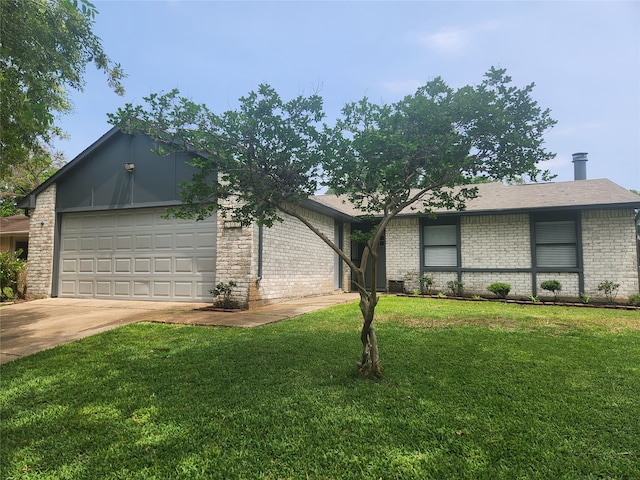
(396, 286)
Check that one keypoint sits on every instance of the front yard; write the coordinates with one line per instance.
(470, 390)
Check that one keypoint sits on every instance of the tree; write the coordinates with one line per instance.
(26, 176)
(420, 153)
(45, 46)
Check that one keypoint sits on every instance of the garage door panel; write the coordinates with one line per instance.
(136, 255)
(68, 287)
(142, 265)
(124, 243)
(123, 265)
(104, 265)
(184, 265)
(103, 289)
(70, 244)
(164, 241)
(162, 289)
(144, 242)
(105, 243)
(85, 287)
(69, 265)
(86, 265)
(122, 289)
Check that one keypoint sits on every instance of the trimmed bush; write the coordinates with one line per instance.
(553, 286)
(634, 299)
(500, 289)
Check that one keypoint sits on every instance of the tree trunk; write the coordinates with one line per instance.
(369, 364)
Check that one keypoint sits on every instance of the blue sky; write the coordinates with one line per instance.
(583, 56)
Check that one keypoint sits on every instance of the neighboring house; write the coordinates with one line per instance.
(14, 235)
(99, 231)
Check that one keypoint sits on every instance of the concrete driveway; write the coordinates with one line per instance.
(29, 327)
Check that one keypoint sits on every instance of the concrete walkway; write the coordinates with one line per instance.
(29, 327)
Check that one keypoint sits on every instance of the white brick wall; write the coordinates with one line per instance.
(495, 241)
(234, 254)
(609, 250)
(295, 261)
(403, 252)
(503, 241)
(41, 240)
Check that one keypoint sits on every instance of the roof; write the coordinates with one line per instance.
(13, 225)
(497, 197)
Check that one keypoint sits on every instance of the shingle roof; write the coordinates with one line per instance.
(15, 224)
(497, 197)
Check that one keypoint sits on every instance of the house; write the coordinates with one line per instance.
(99, 230)
(580, 232)
(14, 235)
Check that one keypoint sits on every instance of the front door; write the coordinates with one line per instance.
(357, 250)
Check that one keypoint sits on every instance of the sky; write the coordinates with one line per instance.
(583, 56)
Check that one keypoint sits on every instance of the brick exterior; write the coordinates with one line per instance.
(295, 261)
(403, 252)
(495, 241)
(234, 256)
(41, 242)
(609, 249)
(503, 242)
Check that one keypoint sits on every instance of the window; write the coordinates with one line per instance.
(556, 243)
(440, 246)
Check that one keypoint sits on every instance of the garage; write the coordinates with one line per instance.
(136, 254)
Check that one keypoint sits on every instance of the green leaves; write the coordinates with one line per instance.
(269, 154)
(252, 160)
(389, 156)
(46, 46)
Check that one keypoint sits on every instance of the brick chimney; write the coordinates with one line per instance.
(580, 166)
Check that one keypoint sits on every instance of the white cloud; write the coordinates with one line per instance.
(456, 40)
(448, 40)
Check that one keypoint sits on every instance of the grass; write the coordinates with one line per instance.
(470, 390)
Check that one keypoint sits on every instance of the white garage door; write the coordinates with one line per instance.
(136, 254)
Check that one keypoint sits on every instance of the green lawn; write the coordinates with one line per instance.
(472, 390)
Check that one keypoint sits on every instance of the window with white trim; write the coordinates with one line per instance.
(440, 245)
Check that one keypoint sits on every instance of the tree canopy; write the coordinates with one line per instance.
(421, 152)
(24, 177)
(45, 47)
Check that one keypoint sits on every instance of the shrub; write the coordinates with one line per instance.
(426, 284)
(585, 298)
(553, 286)
(500, 289)
(10, 268)
(456, 287)
(222, 295)
(610, 289)
(634, 299)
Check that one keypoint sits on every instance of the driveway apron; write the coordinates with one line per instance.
(29, 327)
